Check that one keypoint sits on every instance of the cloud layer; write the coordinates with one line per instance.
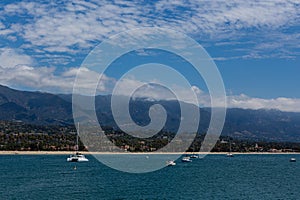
(46, 79)
(74, 27)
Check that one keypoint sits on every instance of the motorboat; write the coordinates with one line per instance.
(229, 155)
(194, 156)
(293, 160)
(170, 163)
(186, 159)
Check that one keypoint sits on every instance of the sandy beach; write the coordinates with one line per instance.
(149, 153)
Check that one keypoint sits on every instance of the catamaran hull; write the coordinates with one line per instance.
(77, 160)
(72, 160)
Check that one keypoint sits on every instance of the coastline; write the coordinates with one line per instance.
(136, 153)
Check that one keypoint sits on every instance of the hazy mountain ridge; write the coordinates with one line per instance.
(44, 109)
(34, 107)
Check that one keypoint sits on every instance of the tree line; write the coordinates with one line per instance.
(27, 137)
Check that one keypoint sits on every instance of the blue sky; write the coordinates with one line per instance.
(254, 44)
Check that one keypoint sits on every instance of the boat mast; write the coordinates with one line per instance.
(77, 147)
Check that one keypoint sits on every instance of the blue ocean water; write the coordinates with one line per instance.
(214, 177)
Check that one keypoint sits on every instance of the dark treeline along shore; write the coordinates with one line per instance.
(27, 137)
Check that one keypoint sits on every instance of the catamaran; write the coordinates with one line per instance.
(77, 157)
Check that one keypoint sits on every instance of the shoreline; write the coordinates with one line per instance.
(137, 153)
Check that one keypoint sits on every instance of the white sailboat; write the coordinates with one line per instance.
(77, 157)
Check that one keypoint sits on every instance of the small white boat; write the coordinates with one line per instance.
(77, 157)
(186, 159)
(229, 155)
(293, 160)
(170, 163)
(194, 156)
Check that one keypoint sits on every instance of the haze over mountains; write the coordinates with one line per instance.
(46, 109)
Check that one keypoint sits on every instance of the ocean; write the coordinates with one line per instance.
(213, 177)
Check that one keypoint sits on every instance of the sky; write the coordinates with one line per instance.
(255, 45)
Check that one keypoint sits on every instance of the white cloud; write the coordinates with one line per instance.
(75, 25)
(48, 80)
(156, 92)
(9, 58)
(3, 30)
(247, 102)
(2, 26)
(79, 24)
(280, 103)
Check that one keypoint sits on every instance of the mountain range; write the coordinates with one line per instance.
(52, 109)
